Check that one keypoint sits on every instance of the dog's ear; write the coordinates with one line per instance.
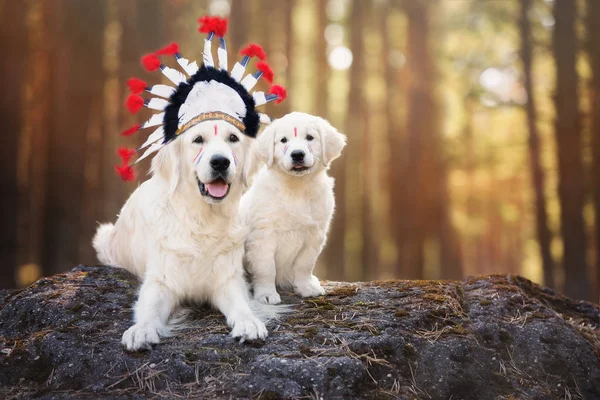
(332, 142)
(251, 163)
(265, 145)
(166, 164)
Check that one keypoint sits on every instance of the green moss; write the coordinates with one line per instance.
(401, 313)
(321, 303)
(344, 291)
(310, 332)
(409, 351)
(435, 298)
(75, 307)
(485, 302)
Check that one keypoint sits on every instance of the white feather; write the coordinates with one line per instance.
(238, 71)
(207, 54)
(249, 82)
(152, 149)
(156, 119)
(154, 136)
(174, 75)
(162, 90)
(264, 119)
(189, 68)
(157, 104)
(222, 54)
(259, 98)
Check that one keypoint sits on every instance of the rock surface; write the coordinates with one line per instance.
(492, 337)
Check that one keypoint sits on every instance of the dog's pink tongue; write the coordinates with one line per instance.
(217, 189)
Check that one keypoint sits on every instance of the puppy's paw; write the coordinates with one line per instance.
(267, 295)
(309, 288)
(140, 337)
(250, 328)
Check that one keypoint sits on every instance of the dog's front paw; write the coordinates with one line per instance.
(140, 337)
(267, 295)
(310, 288)
(249, 329)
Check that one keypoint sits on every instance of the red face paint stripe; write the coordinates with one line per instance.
(199, 151)
(215, 130)
(295, 132)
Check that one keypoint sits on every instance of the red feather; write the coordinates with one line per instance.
(136, 85)
(268, 73)
(213, 24)
(205, 24)
(280, 92)
(168, 50)
(254, 50)
(131, 130)
(126, 172)
(134, 103)
(220, 26)
(151, 62)
(125, 154)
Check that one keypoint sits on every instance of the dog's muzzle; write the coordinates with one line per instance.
(217, 189)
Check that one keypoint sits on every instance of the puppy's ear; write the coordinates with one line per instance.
(265, 145)
(332, 142)
(166, 164)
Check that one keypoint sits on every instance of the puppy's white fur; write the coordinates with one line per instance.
(183, 245)
(289, 210)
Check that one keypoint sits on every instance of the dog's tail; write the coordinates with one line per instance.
(269, 312)
(102, 243)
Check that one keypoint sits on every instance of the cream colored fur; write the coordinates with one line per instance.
(183, 245)
(289, 212)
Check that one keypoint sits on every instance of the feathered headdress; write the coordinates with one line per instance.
(201, 94)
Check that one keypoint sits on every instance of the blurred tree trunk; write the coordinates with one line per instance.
(33, 146)
(537, 174)
(418, 127)
(568, 138)
(322, 92)
(593, 47)
(78, 89)
(354, 129)
(13, 69)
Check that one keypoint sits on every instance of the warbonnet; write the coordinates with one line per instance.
(201, 93)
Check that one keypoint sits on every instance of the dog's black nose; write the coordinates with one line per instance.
(219, 163)
(297, 155)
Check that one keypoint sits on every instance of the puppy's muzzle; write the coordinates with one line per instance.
(298, 156)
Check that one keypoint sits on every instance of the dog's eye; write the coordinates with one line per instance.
(283, 140)
(199, 140)
(309, 137)
(233, 138)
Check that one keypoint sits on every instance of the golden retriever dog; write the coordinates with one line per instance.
(290, 205)
(180, 232)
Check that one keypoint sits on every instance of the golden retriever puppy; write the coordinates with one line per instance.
(290, 205)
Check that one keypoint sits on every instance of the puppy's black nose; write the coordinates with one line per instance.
(297, 155)
(219, 163)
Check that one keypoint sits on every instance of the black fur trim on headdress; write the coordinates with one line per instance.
(251, 120)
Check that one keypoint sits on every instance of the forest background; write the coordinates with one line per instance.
(473, 127)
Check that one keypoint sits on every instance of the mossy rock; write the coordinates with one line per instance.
(489, 337)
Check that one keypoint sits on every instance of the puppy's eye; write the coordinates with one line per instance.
(309, 137)
(199, 140)
(233, 138)
(283, 140)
